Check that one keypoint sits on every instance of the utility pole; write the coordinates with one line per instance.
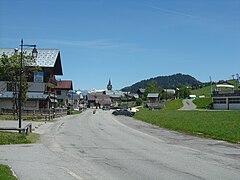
(237, 80)
(210, 84)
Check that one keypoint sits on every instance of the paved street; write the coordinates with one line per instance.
(188, 105)
(103, 146)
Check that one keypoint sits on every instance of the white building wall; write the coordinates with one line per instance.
(63, 96)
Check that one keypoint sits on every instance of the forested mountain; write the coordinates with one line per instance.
(164, 82)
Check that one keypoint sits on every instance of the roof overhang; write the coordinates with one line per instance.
(225, 86)
(58, 65)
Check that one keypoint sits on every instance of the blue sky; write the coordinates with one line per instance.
(129, 40)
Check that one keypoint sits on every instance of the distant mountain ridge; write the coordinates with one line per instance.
(172, 81)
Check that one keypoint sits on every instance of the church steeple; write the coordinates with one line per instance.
(109, 86)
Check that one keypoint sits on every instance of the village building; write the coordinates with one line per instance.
(98, 100)
(225, 97)
(153, 101)
(169, 93)
(74, 99)
(61, 89)
(140, 92)
(40, 95)
(153, 97)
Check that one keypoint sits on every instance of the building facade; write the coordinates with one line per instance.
(226, 100)
(40, 94)
(225, 97)
(61, 89)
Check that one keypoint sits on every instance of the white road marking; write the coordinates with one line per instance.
(72, 173)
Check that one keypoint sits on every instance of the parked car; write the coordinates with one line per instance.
(124, 112)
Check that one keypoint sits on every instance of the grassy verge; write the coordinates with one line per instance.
(70, 112)
(6, 173)
(174, 104)
(222, 125)
(202, 103)
(16, 138)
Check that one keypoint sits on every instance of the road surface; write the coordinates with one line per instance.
(103, 146)
(188, 105)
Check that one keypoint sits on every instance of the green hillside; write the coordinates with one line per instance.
(206, 91)
(172, 81)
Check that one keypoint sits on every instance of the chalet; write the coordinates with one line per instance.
(153, 97)
(98, 100)
(61, 89)
(140, 92)
(40, 94)
(169, 93)
(115, 95)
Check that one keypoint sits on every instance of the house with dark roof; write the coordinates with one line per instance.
(140, 92)
(61, 89)
(153, 97)
(98, 100)
(40, 94)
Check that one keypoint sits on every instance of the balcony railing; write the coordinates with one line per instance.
(226, 93)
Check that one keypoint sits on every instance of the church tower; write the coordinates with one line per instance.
(109, 86)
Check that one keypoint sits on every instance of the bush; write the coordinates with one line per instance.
(139, 102)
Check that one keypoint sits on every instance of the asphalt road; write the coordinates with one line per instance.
(188, 105)
(103, 146)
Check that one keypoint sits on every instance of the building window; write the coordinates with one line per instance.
(234, 100)
(219, 101)
(59, 92)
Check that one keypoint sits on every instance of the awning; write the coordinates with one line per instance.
(225, 86)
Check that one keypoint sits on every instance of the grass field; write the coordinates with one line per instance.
(16, 138)
(6, 173)
(174, 104)
(222, 125)
(202, 103)
(203, 91)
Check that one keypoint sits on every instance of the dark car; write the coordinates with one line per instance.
(124, 112)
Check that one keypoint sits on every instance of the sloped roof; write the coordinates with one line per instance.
(141, 90)
(64, 85)
(45, 58)
(225, 85)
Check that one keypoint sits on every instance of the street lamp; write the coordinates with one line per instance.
(34, 55)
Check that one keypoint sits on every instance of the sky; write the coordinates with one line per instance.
(129, 40)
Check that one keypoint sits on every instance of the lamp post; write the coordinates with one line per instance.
(34, 55)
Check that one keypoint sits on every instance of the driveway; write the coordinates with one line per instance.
(188, 105)
(103, 146)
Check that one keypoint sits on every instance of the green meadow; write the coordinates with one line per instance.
(221, 125)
